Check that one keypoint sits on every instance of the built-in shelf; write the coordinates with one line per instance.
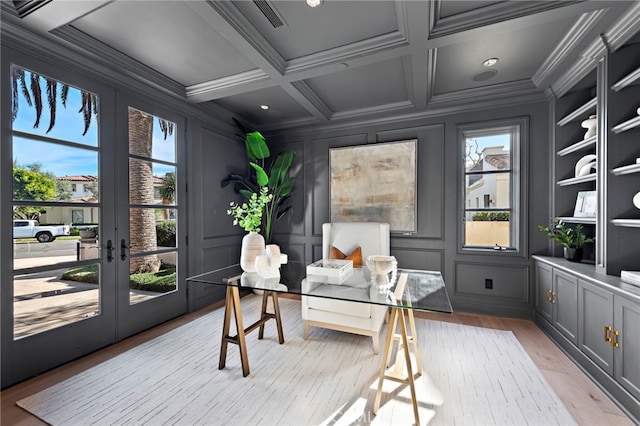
(627, 80)
(584, 220)
(626, 170)
(629, 223)
(629, 124)
(591, 105)
(578, 146)
(577, 180)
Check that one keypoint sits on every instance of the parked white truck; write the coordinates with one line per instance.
(44, 234)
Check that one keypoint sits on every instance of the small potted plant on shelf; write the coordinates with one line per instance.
(571, 239)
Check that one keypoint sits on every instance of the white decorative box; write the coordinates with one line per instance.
(631, 277)
(336, 271)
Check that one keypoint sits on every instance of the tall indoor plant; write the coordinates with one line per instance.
(571, 239)
(276, 178)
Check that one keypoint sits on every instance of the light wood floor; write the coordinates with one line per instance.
(585, 401)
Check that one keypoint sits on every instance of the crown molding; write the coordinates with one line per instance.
(344, 53)
(626, 27)
(387, 109)
(573, 75)
(487, 15)
(578, 31)
(220, 87)
(497, 92)
(242, 26)
(116, 59)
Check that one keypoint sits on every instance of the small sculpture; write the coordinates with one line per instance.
(591, 124)
(380, 267)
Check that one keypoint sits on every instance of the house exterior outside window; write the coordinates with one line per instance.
(491, 185)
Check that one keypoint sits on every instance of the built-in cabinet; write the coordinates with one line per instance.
(611, 92)
(557, 299)
(595, 318)
(585, 307)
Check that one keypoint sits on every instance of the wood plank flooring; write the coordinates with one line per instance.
(582, 398)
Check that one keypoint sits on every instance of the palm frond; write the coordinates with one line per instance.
(166, 127)
(52, 89)
(37, 97)
(64, 93)
(85, 109)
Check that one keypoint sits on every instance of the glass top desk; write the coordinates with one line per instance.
(413, 289)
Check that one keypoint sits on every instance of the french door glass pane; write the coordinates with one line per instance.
(152, 191)
(49, 299)
(55, 197)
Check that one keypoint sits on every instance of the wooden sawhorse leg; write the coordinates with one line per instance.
(232, 307)
(403, 357)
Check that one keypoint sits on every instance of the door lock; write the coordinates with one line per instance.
(110, 249)
(123, 249)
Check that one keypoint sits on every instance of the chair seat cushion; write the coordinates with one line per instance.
(356, 309)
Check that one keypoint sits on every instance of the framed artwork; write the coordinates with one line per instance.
(375, 183)
(586, 204)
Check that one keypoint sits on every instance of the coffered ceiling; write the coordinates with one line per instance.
(343, 60)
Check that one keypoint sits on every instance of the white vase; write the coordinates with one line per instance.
(252, 246)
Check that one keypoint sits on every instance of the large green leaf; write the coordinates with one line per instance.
(286, 187)
(256, 146)
(280, 168)
(261, 175)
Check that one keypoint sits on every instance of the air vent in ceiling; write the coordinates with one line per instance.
(25, 7)
(270, 13)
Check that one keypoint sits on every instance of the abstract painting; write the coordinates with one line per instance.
(375, 183)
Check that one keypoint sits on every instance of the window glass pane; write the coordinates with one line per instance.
(488, 153)
(488, 191)
(151, 137)
(48, 171)
(151, 183)
(49, 299)
(71, 107)
(150, 284)
(45, 235)
(488, 228)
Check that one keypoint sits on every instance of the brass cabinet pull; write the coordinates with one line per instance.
(552, 296)
(614, 338)
(607, 336)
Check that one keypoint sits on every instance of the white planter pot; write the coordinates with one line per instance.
(252, 246)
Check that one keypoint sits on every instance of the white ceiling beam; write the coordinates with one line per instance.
(56, 14)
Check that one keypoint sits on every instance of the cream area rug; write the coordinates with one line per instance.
(471, 376)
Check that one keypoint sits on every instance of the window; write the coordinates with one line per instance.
(491, 190)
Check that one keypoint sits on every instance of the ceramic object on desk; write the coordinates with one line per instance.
(591, 125)
(583, 162)
(636, 200)
(380, 267)
(252, 246)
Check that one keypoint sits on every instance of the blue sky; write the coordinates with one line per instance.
(63, 160)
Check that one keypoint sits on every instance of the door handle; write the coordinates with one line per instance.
(123, 249)
(110, 249)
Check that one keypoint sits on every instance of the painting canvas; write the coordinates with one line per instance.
(375, 183)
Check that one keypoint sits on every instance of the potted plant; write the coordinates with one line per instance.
(571, 239)
(275, 177)
(248, 216)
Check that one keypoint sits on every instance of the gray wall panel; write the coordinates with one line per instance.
(430, 260)
(509, 282)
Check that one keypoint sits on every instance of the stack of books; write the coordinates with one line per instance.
(631, 277)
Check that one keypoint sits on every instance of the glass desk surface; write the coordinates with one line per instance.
(424, 290)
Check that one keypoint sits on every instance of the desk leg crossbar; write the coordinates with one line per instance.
(396, 372)
(232, 307)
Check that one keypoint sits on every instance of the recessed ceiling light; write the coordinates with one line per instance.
(490, 62)
(265, 107)
(314, 3)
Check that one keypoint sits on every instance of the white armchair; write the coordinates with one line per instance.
(353, 317)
